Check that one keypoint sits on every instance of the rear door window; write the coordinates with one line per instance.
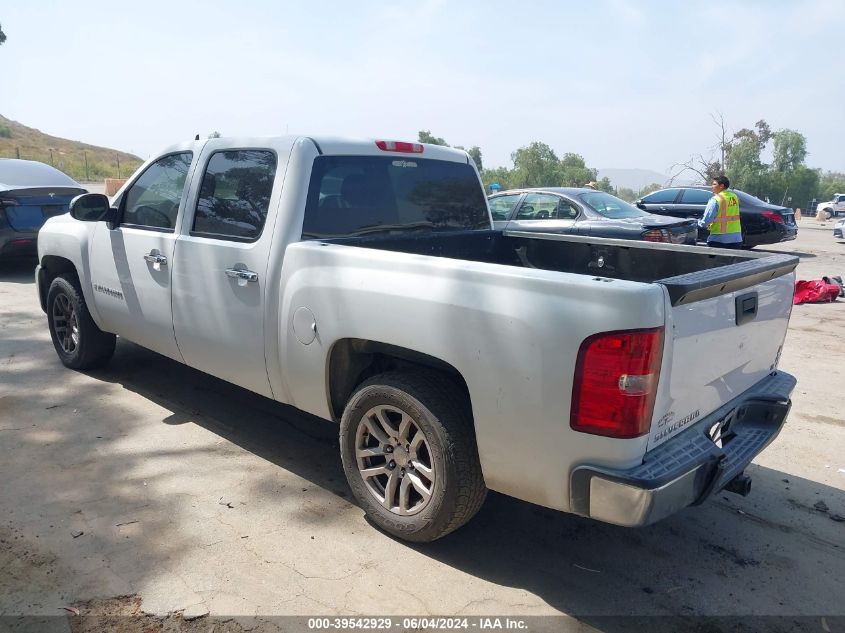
(235, 195)
(696, 196)
(538, 206)
(359, 195)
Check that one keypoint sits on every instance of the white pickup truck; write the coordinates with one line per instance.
(833, 207)
(362, 282)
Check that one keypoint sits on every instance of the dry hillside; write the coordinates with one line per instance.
(20, 141)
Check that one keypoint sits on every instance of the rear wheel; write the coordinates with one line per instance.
(79, 343)
(828, 214)
(410, 456)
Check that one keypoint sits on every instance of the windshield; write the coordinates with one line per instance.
(358, 195)
(609, 206)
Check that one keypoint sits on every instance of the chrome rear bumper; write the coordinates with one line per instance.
(690, 467)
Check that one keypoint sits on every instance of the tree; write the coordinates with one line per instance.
(745, 170)
(574, 171)
(500, 176)
(425, 136)
(626, 193)
(535, 165)
(830, 184)
(790, 150)
(2, 35)
(475, 153)
(605, 185)
(214, 134)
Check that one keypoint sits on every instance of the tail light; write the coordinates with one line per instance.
(400, 146)
(656, 235)
(774, 216)
(616, 378)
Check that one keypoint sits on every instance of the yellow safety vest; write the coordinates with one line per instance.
(727, 220)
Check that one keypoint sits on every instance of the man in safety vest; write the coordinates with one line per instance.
(721, 216)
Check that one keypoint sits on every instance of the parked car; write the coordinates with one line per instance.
(362, 282)
(577, 211)
(30, 193)
(833, 207)
(762, 222)
(839, 229)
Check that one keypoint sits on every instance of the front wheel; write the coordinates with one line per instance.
(409, 453)
(79, 343)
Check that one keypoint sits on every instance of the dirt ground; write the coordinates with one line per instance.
(150, 488)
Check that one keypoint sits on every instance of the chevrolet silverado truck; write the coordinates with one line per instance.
(362, 282)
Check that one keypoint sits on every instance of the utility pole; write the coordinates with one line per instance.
(18, 152)
(51, 155)
(86, 165)
(118, 166)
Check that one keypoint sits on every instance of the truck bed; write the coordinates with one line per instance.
(689, 273)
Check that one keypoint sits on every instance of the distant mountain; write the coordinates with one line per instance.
(20, 141)
(636, 179)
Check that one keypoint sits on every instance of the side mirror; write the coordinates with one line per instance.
(92, 207)
(639, 204)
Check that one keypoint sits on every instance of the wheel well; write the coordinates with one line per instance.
(352, 361)
(51, 267)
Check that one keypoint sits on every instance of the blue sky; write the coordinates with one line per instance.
(625, 84)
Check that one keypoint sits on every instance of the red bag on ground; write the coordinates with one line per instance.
(814, 291)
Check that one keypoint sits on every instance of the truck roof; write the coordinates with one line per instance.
(334, 145)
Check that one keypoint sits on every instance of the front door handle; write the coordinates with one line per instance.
(240, 273)
(155, 258)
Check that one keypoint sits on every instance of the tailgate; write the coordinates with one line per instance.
(725, 329)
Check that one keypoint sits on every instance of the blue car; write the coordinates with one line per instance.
(30, 192)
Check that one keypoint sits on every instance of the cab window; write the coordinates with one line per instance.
(152, 201)
(235, 195)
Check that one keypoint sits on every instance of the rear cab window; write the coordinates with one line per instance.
(360, 195)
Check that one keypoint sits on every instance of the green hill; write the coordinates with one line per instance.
(20, 141)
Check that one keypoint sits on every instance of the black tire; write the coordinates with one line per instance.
(441, 411)
(828, 214)
(92, 347)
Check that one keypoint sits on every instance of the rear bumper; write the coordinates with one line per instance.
(18, 243)
(778, 233)
(690, 467)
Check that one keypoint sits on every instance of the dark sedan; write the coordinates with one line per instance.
(30, 192)
(762, 222)
(578, 211)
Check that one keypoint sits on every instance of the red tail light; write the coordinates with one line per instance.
(656, 235)
(774, 216)
(616, 382)
(400, 146)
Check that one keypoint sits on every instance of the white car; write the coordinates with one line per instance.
(833, 207)
(362, 282)
(839, 229)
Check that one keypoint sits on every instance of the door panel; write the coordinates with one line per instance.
(131, 265)
(221, 262)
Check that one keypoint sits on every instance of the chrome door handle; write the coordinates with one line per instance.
(156, 259)
(236, 273)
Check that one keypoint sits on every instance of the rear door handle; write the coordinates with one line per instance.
(155, 258)
(239, 273)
